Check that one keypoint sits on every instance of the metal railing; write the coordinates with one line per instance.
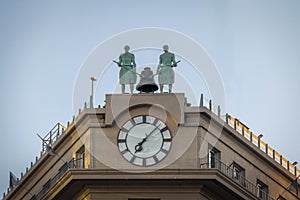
(249, 135)
(238, 178)
(52, 135)
(72, 164)
(264, 147)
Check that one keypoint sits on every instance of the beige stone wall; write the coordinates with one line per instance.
(153, 192)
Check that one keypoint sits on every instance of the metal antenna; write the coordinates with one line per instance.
(93, 79)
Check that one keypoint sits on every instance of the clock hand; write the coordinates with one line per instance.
(151, 132)
(139, 146)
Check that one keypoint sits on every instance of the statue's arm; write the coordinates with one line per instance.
(133, 61)
(174, 63)
(159, 64)
(120, 61)
(160, 60)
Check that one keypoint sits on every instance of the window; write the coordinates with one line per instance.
(214, 158)
(262, 190)
(238, 173)
(80, 157)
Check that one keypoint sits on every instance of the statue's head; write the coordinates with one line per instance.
(126, 48)
(166, 47)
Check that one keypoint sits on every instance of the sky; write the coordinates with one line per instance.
(254, 44)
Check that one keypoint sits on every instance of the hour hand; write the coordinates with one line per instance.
(139, 146)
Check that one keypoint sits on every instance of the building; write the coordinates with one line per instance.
(156, 147)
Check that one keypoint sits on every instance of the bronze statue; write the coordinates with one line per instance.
(164, 69)
(127, 73)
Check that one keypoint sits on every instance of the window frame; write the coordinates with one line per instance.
(80, 157)
(262, 190)
(213, 161)
(240, 175)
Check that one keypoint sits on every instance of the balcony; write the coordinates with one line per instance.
(72, 164)
(229, 172)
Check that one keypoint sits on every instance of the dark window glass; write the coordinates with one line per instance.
(214, 158)
(80, 157)
(262, 190)
(238, 173)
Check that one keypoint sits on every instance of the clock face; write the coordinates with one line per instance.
(144, 140)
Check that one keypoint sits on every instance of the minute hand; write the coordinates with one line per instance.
(150, 133)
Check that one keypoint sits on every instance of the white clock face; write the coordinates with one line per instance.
(144, 140)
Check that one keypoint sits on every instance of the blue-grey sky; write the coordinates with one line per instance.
(254, 44)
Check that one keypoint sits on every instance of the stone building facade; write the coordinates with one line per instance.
(191, 153)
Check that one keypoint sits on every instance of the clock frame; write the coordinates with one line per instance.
(144, 140)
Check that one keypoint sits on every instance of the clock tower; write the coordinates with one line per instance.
(143, 132)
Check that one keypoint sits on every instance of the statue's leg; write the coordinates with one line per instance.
(161, 87)
(170, 88)
(123, 88)
(131, 88)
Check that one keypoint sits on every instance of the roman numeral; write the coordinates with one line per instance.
(132, 159)
(164, 151)
(167, 139)
(132, 122)
(144, 119)
(164, 129)
(121, 140)
(155, 159)
(155, 122)
(124, 151)
(124, 130)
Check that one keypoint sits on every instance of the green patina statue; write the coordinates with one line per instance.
(164, 69)
(127, 73)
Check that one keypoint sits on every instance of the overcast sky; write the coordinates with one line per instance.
(254, 44)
